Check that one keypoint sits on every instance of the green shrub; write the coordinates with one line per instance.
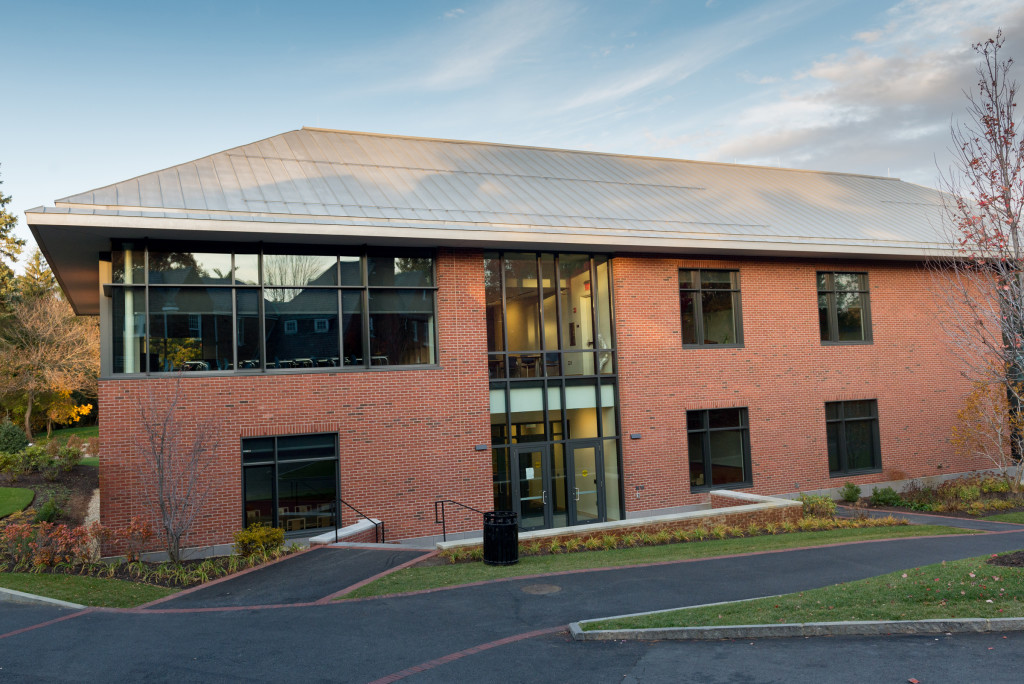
(13, 466)
(258, 539)
(818, 506)
(994, 485)
(968, 493)
(12, 437)
(48, 512)
(886, 496)
(850, 492)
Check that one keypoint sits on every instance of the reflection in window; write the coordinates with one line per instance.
(710, 304)
(843, 310)
(191, 311)
(719, 447)
(401, 327)
(852, 431)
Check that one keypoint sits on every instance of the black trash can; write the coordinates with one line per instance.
(501, 538)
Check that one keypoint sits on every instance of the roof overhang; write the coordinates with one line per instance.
(72, 240)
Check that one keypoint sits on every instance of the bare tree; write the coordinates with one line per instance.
(983, 277)
(173, 450)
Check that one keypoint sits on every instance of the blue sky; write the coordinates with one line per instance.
(99, 92)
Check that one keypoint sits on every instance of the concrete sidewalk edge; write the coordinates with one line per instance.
(14, 596)
(803, 629)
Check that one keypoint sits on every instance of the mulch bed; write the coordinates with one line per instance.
(77, 486)
(1009, 560)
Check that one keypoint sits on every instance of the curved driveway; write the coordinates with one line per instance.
(509, 630)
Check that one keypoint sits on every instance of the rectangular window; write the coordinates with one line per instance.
(709, 302)
(719, 446)
(852, 429)
(844, 314)
(178, 310)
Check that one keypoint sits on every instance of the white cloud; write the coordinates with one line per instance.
(455, 13)
(884, 104)
(480, 45)
(701, 50)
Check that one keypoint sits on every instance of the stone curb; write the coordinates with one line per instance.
(12, 596)
(804, 629)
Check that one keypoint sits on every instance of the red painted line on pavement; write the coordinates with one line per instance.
(47, 623)
(347, 590)
(225, 578)
(443, 660)
(668, 562)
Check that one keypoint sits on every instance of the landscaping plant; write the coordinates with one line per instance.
(850, 492)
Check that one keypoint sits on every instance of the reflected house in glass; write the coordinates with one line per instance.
(381, 322)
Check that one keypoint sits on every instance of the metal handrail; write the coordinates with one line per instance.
(439, 506)
(378, 525)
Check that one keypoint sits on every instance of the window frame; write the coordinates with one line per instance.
(842, 455)
(142, 283)
(737, 306)
(705, 430)
(833, 307)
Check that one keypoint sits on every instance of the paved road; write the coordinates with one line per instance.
(489, 632)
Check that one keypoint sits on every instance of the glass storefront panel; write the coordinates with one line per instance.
(297, 270)
(352, 326)
(492, 297)
(604, 305)
(351, 270)
(258, 484)
(577, 313)
(128, 265)
(401, 327)
(247, 269)
(549, 283)
(522, 302)
(129, 329)
(247, 336)
(502, 480)
(190, 329)
(394, 271)
(613, 501)
(560, 493)
(301, 327)
(167, 267)
(306, 494)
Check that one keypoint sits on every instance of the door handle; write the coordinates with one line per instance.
(543, 496)
(577, 493)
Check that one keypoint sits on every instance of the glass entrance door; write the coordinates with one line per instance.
(540, 496)
(586, 466)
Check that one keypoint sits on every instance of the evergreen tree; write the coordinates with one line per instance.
(38, 280)
(10, 245)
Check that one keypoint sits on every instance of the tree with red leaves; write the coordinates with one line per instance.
(983, 276)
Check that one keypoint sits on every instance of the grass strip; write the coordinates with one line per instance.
(969, 588)
(1017, 517)
(14, 499)
(88, 591)
(431, 577)
(93, 461)
(85, 432)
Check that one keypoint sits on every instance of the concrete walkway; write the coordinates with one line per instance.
(511, 630)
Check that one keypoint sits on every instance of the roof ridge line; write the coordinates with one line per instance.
(592, 152)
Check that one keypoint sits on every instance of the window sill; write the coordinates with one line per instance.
(731, 485)
(844, 343)
(853, 473)
(714, 346)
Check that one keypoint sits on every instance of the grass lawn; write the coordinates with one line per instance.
(956, 589)
(93, 461)
(89, 591)
(430, 577)
(14, 499)
(1017, 517)
(62, 435)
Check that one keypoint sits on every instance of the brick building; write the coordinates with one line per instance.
(380, 322)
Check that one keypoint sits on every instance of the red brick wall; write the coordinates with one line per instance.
(783, 375)
(406, 437)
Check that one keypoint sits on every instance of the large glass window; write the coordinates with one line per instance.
(291, 482)
(550, 338)
(719, 446)
(710, 305)
(844, 313)
(175, 310)
(852, 431)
